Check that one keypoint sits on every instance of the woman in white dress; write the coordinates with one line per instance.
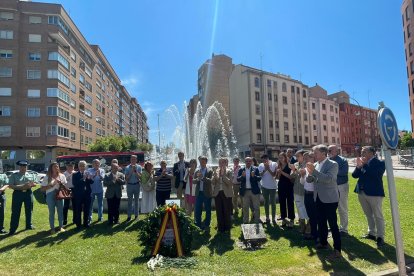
(148, 189)
(190, 187)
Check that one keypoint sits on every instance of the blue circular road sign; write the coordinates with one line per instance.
(387, 126)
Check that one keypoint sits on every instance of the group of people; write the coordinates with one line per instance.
(316, 181)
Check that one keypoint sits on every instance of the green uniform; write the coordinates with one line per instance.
(22, 194)
(4, 180)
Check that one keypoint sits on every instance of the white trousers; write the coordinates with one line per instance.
(300, 205)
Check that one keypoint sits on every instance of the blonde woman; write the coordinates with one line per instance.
(51, 184)
(189, 188)
(148, 189)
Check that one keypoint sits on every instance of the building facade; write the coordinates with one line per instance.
(269, 112)
(407, 11)
(58, 93)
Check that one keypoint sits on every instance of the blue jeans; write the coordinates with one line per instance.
(53, 203)
(133, 195)
(200, 200)
(99, 196)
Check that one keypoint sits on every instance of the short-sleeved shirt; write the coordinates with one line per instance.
(17, 178)
(45, 182)
(133, 179)
(4, 180)
(97, 185)
(268, 181)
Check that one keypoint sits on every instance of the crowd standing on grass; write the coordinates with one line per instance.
(316, 181)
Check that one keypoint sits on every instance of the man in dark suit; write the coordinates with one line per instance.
(81, 195)
(179, 172)
(291, 158)
(323, 174)
(114, 181)
(249, 178)
(369, 171)
(203, 193)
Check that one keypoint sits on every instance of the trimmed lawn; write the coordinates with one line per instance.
(104, 250)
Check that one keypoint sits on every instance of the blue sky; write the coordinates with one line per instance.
(156, 47)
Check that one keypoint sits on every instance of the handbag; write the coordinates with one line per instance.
(63, 193)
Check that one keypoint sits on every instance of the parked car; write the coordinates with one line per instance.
(40, 176)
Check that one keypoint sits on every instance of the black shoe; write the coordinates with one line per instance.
(31, 227)
(128, 219)
(136, 217)
(2, 231)
(369, 237)
(11, 233)
(380, 242)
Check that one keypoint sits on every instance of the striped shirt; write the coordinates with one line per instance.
(164, 183)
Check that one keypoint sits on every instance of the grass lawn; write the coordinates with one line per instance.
(105, 250)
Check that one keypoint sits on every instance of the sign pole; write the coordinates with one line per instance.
(387, 126)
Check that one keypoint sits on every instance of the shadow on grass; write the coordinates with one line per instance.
(104, 229)
(220, 244)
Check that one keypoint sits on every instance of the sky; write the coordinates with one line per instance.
(156, 47)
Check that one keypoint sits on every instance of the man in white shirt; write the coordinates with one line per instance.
(267, 171)
(66, 202)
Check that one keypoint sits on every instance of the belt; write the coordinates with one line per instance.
(309, 192)
(133, 183)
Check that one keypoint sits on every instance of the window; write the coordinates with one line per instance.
(284, 89)
(324, 127)
(5, 131)
(333, 129)
(81, 78)
(6, 15)
(270, 124)
(88, 86)
(32, 131)
(315, 139)
(276, 124)
(323, 106)
(408, 31)
(88, 72)
(36, 38)
(73, 88)
(271, 137)
(324, 117)
(34, 56)
(285, 113)
(295, 139)
(73, 71)
(286, 126)
(34, 74)
(52, 111)
(73, 55)
(325, 139)
(33, 93)
(277, 138)
(305, 116)
(33, 112)
(72, 103)
(304, 93)
(331, 108)
(269, 96)
(35, 20)
(88, 99)
(6, 34)
(257, 95)
(306, 129)
(72, 120)
(6, 53)
(269, 83)
(259, 138)
(256, 82)
(73, 136)
(284, 100)
(332, 119)
(6, 72)
(410, 49)
(286, 138)
(56, 92)
(258, 126)
(56, 74)
(4, 111)
(314, 116)
(53, 130)
(314, 127)
(5, 91)
(58, 57)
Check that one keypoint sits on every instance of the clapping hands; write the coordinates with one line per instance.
(311, 167)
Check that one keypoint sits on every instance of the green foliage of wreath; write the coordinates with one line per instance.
(151, 225)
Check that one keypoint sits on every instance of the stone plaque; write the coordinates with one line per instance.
(253, 233)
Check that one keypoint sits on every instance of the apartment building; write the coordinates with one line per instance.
(269, 112)
(358, 125)
(407, 11)
(213, 81)
(324, 117)
(58, 93)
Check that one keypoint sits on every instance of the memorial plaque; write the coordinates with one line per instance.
(254, 233)
(168, 238)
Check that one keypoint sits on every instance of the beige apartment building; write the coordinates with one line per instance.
(269, 112)
(58, 93)
(407, 11)
(213, 81)
(324, 117)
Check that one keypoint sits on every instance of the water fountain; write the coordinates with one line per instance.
(207, 133)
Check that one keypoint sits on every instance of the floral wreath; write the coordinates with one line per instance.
(150, 228)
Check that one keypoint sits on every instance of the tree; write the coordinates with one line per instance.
(406, 141)
(117, 143)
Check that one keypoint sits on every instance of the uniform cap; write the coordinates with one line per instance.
(22, 163)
